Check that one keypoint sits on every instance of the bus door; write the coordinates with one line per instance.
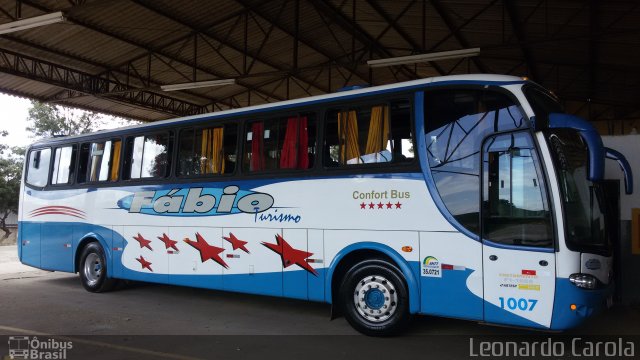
(517, 238)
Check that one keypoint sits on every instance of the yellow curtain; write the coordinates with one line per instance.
(348, 134)
(211, 154)
(217, 152)
(378, 129)
(115, 162)
(205, 156)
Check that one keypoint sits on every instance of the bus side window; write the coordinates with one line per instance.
(280, 143)
(207, 151)
(38, 169)
(456, 122)
(63, 165)
(370, 134)
(99, 161)
(147, 156)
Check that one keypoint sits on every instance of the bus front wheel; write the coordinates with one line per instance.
(93, 269)
(374, 298)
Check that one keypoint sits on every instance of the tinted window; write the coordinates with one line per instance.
(369, 134)
(542, 103)
(515, 209)
(147, 156)
(280, 143)
(99, 161)
(38, 169)
(456, 122)
(63, 165)
(207, 151)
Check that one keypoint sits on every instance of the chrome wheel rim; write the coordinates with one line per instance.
(375, 298)
(92, 269)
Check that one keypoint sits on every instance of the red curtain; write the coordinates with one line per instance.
(257, 147)
(294, 153)
(303, 144)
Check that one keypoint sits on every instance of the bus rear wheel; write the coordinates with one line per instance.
(374, 298)
(93, 269)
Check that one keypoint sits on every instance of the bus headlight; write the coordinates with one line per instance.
(584, 281)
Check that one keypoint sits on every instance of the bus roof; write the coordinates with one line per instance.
(440, 80)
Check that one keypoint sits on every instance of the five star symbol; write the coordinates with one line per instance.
(207, 251)
(236, 243)
(168, 243)
(143, 242)
(290, 255)
(145, 264)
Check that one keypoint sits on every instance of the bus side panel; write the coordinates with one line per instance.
(185, 264)
(315, 283)
(451, 275)
(19, 239)
(147, 260)
(118, 244)
(294, 281)
(260, 271)
(55, 244)
(31, 244)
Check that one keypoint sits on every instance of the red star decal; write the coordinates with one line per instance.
(389, 205)
(143, 242)
(207, 251)
(145, 264)
(398, 205)
(371, 205)
(380, 205)
(168, 243)
(236, 243)
(290, 255)
(363, 205)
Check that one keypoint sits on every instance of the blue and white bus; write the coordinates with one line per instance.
(470, 197)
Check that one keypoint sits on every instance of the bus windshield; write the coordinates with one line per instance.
(582, 199)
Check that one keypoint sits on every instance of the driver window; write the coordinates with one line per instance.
(515, 208)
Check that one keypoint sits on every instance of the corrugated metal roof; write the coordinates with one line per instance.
(114, 56)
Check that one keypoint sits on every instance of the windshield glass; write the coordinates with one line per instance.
(581, 198)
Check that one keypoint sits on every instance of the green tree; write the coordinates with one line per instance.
(10, 177)
(47, 120)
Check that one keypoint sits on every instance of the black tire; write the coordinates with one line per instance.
(93, 269)
(382, 305)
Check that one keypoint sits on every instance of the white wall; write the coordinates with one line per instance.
(629, 146)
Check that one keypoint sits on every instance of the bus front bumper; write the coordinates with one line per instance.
(573, 305)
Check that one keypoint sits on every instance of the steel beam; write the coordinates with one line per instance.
(107, 72)
(241, 49)
(187, 62)
(446, 17)
(38, 70)
(393, 23)
(359, 33)
(521, 39)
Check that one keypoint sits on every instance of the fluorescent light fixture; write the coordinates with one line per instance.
(196, 85)
(29, 23)
(412, 59)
